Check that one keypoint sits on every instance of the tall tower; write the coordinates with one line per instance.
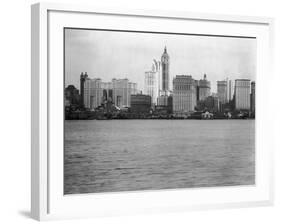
(83, 78)
(165, 70)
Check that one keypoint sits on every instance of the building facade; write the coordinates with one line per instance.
(121, 93)
(211, 104)
(150, 85)
(242, 94)
(184, 94)
(133, 88)
(163, 100)
(151, 82)
(140, 103)
(92, 93)
(96, 92)
(222, 91)
(204, 88)
(157, 68)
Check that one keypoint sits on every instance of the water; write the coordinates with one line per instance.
(129, 155)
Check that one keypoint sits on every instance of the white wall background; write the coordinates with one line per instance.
(15, 110)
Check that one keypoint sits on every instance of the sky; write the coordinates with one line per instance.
(117, 54)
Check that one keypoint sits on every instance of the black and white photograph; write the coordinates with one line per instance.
(157, 111)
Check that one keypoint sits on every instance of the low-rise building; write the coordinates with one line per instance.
(211, 104)
(140, 103)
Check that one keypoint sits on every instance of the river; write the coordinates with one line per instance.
(132, 155)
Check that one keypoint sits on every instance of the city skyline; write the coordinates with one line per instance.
(89, 51)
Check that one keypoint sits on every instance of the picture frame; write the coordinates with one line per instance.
(47, 198)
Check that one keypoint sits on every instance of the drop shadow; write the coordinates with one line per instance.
(25, 214)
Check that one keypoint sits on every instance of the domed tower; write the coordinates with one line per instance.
(165, 70)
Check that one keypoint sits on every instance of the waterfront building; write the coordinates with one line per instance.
(162, 100)
(96, 92)
(211, 104)
(92, 93)
(165, 103)
(165, 110)
(242, 94)
(222, 91)
(140, 103)
(184, 94)
(253, 96)
(204, 88)
(122, 91)
(165, 63)
(71, 95)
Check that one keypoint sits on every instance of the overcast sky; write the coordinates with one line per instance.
(112, 54)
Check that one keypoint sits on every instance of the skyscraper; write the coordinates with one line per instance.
(118, 91)
(165, 61)
(242, 94)
(151, 82)
(184, 94)
(83, 78)
(204, 88)
(122, 90)
(150, 85)
(107, 91)
(92, 93)
(222, 91)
